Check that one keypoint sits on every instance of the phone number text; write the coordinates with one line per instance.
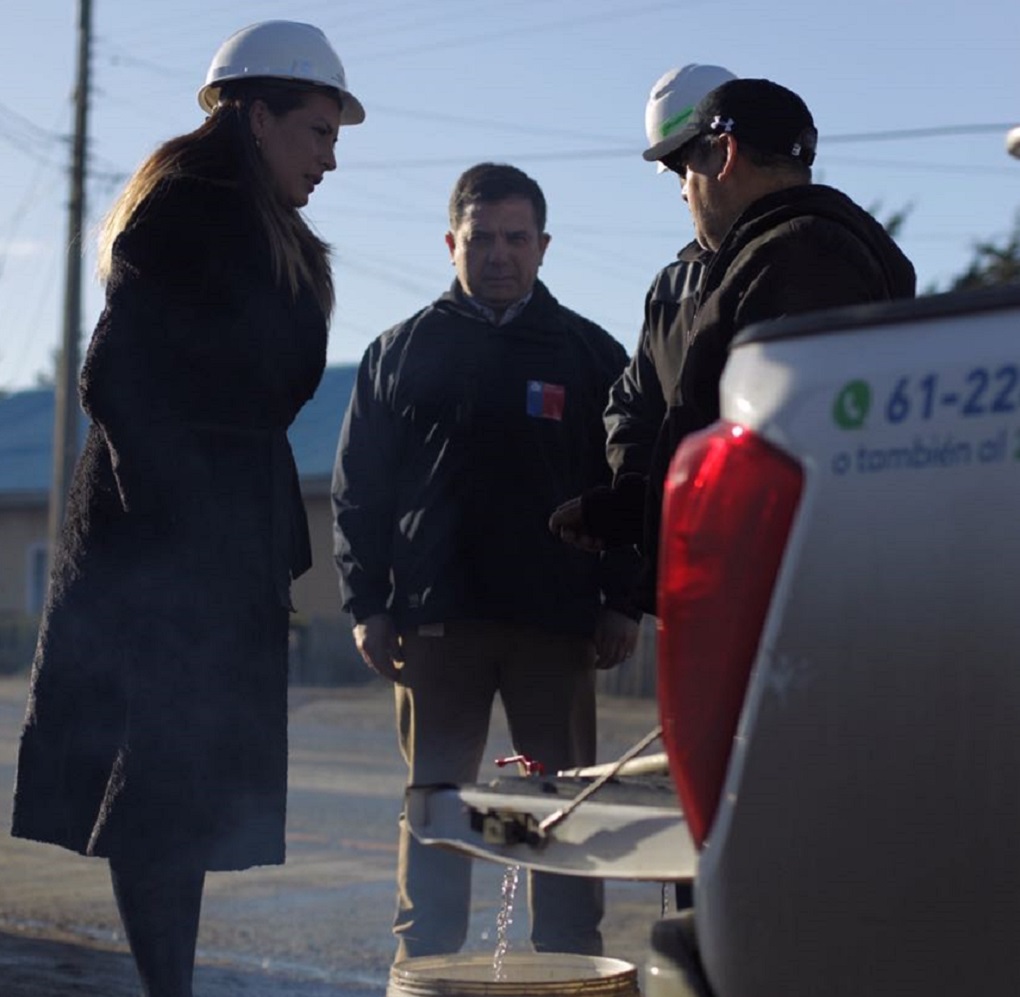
(985, 391)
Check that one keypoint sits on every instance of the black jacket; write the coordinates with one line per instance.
(460, 439)
(158, 708)
(638, 401)
(796, 250)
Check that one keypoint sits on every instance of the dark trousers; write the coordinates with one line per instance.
(160, 902)
(444, 701)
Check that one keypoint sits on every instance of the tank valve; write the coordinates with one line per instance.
(528, 766)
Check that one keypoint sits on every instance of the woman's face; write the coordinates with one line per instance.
(297, 147)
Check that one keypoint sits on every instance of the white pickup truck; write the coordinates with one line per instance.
(839, 678)
(839, 673)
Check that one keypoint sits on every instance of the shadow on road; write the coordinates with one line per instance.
(34, 967)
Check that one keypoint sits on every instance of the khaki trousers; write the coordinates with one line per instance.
(444, 701)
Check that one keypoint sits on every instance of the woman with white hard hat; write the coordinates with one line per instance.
(156, 734)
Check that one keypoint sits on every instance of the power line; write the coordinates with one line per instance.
(417, 114)
(914, 166)
(938, 131)
(34, 131)
(619, 153)
(405, 25)
(529, 27)
(40, 144)
(385, 274)
(28, 340)
(9, 229)
(119, 55)
(29, 138)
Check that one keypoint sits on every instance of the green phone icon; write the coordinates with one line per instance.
(852, 405)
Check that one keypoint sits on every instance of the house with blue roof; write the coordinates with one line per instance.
(26, 470)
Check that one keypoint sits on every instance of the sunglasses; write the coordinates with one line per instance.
(680, 159)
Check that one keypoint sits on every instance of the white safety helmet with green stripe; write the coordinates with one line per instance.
(672, 102)
(1013, 141)
(282, 50)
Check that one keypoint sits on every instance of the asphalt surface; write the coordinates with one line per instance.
(318, 925)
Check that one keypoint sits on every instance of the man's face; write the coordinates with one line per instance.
(497, 250)
(701, 188)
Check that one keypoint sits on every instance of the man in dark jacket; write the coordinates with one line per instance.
(781, 245)
(468, 423)
(640, 398)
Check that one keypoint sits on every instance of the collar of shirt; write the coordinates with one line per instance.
(490, 316)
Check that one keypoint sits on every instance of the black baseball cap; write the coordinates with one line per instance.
(761, 113)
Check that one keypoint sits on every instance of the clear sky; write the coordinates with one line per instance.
(557, 87)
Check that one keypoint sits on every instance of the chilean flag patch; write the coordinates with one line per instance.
(545, 401)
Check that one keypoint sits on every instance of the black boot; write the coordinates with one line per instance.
(160, 901)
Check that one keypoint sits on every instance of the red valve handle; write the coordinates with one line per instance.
(528, 765)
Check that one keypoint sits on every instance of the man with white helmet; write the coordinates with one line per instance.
(1013, 141)
(640, 399)
(780, 245)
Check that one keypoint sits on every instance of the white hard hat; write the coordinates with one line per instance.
(1013, 141)
(283, 50)
(671, 102)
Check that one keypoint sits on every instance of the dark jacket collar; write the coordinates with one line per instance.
(694, 252)
(540, 310)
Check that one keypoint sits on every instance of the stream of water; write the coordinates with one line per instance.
(505, 919)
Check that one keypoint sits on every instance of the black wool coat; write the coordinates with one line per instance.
(157, 717)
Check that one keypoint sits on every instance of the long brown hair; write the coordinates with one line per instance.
(223, 151)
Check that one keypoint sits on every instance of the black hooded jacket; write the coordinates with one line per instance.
(795, 250)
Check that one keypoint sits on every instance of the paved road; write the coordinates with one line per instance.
(319, 924)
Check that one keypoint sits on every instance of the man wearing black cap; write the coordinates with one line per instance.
(639, 399)
(641, 396)
(781, 245)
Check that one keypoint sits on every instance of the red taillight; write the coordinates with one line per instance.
(728, 505)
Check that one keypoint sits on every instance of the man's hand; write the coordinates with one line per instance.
(567, 522)
(379, 645)
(615, 638)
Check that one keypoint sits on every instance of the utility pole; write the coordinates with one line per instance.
(65, 414)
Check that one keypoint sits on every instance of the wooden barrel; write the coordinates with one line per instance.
(523, 974)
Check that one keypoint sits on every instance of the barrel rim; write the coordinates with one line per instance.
(606, 969)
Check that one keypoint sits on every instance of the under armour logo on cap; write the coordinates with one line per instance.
(718, 123)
